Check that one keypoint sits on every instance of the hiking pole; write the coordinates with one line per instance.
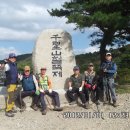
(20, 98)
(97, 106)
(95, 103)
(98, 110)
(21, 102)
(17, 94)
(109, 96)
(49, 103)
(94, 98)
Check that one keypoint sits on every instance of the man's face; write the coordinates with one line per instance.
(27, 72)
(43, 71)
(76, 72)
(91, 67)
(13, 59)
(108, 57)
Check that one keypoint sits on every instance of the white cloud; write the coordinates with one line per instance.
(4, 52)
(21, 19)
(86, 50)
(91, 49)
(10, 34)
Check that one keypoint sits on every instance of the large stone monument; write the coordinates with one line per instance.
(53, 50)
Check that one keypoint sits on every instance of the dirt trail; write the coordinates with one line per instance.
(72, 118)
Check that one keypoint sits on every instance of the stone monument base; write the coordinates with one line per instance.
(28, 100)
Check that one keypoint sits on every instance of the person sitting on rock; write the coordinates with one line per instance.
(76, 85)
(30, 86)
(46, 89)
(91, 83)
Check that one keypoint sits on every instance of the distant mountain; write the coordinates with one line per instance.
(24, 57)
(121, 56)
(23, 60)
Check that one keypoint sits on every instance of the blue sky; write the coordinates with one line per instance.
(81, 43)
(22, 21)
(20, 46)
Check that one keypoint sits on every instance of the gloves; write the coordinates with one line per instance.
(88, 86)
(37, 92)
(80, 89)
(105, 70)
(50, 90)
(94, 87)
(70, 88)
(41, 90)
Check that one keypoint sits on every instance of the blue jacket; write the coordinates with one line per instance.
(110, 67)
(28, 83)
(12, 74)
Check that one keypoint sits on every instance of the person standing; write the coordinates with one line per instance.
(109, 69)
(11, 83)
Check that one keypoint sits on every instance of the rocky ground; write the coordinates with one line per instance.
(73, 118)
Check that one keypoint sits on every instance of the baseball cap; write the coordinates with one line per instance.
(108, 54)
(90, 64)
(12, 55)
(76, 68)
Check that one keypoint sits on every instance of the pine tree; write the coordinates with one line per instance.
(112, 17)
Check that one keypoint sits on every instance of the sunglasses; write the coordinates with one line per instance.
(27, 71)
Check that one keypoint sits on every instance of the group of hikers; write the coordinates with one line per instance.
(90, 82)
(79, 85)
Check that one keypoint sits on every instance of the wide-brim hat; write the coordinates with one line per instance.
(27, 68)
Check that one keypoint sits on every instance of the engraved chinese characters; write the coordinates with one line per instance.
(53, 50)
(56, 56)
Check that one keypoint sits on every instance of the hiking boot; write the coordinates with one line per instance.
(72, 103)
(9, 114)
(14, 110)
(44, 112)
(57, 108)
(115, 104)
(34, 107)
(86, 105)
